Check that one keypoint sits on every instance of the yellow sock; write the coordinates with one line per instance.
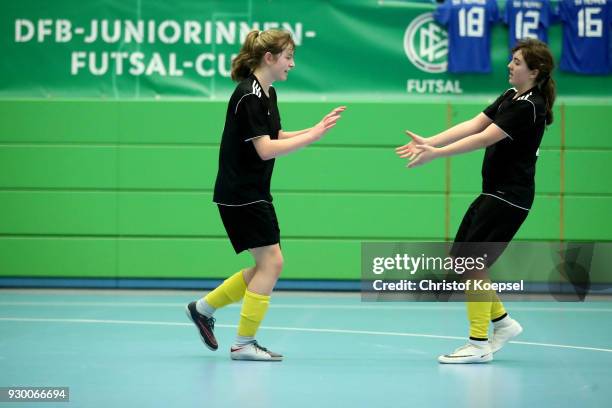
(497, 307)
(479, 312)
(230, 291)
(254, 308)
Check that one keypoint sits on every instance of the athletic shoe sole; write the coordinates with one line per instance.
(250, 358)
(466, 360)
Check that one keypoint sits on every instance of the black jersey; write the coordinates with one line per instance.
(243, 177)
(508, 169)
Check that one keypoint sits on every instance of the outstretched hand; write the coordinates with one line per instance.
(335, 111)
(418, 151)
(425, 154)
(409, 150)
(328, 121)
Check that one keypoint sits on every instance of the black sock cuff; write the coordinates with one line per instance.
(478, 338)
(499, 318)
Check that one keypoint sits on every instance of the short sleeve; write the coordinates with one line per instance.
(443, 13)
(562, 12)
(507, 13)
(550, 15)
(491, 110)
(493, 11)
(253, 117)
(545, 16)
(516, 119)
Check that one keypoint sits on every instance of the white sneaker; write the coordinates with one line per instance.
(254, 352)
(470, 353)
(503, 334)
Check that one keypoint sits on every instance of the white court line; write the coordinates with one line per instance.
(280, 328)
(364, 306)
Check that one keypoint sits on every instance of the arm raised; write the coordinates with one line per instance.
(269, 148)
(470, 127)
(286, 135)
(424, 153)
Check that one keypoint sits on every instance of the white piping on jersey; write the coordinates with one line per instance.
(256, 91)
(499, 198)
(256, 137)
(240, 100)
(242, 205)
(510, 137)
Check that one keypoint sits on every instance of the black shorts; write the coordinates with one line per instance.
(250, 226)
(487, 220)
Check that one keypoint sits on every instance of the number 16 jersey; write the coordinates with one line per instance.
(586, 36)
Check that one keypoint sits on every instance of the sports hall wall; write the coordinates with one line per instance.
(100, 186)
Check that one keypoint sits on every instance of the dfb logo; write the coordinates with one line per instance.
(426, 44)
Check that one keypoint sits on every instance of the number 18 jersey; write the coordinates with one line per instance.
(469, 32)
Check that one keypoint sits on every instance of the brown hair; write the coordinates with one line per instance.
(537, 56)
(255, 46)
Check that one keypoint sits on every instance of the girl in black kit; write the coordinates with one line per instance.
(511, 130)
(252, 138)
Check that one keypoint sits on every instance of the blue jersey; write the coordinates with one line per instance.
(469, 33)
(528, 19)
(586, 36)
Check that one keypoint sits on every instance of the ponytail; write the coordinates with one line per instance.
(548, 87)
(255, 46)
(241, 65)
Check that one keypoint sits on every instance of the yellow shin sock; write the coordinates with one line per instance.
(479, 307)
(230, 291)
(254, 308)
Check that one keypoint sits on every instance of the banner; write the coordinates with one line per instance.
(356, 49)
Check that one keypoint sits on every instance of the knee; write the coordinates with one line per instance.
(277, 263)
(274, 262)
(269, 261)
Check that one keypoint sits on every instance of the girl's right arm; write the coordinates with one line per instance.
(464, 129)
(286, 135)
(269, 148)
(475, 125)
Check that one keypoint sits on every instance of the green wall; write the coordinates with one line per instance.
(123, 189)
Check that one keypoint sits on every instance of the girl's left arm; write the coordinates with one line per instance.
(491, 135)
(286, 135)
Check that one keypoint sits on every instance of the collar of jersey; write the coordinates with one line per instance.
(516, 96)
(263, 93)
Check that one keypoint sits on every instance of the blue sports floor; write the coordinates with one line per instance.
(137, 349)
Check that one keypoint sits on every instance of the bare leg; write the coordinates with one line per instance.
(268, 267)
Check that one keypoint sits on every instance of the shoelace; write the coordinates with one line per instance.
(257, 346)
(210, 322)
(462, 348)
